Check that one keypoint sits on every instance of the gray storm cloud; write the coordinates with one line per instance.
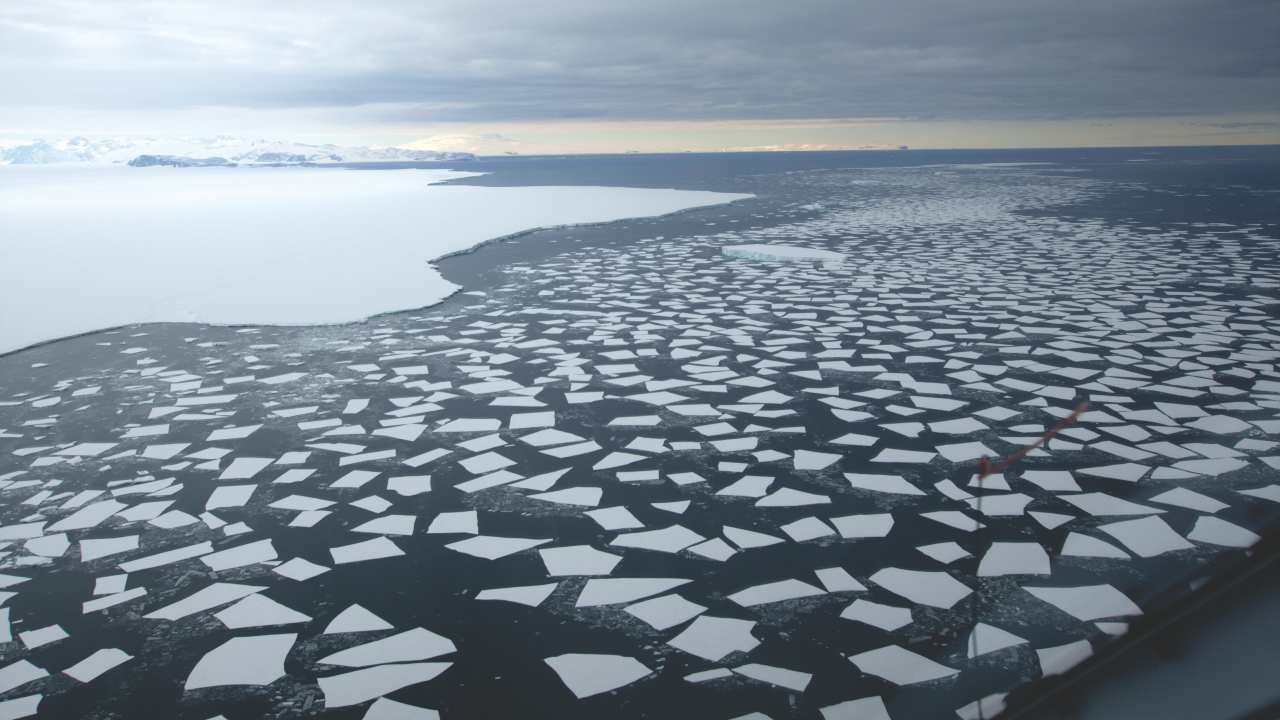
(491, 60)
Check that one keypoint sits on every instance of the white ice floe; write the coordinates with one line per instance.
(665, 612)
(20, 673)
(712, 638)
(328, 245)
(372, 549)
(259, 611)
(782, 677)
(611, 591)
(1061, 658)
(986, 638)
(944, 552)
(863, 526)
(937, 589)
(255, 660)
(358, 686)
(299, 569)
(895, 484)
(167, 557)
(885, 617)
(1217, 531)
(1087, 602)
(588, 674)
(900, 666)
(387, 709)
(206, 598)
(868, 708)
(1148, 536)
(354, 619)
(97, 664)
(774, 592)
(837, 579)
(529, 595)
(40, 637)
(669, 540)
(780, 253)
(240, 555)
(20, 707)
(410, 645)
(464, 522)
(491, 547)
(578, 560)
(1014, 558)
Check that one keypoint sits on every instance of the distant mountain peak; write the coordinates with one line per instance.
(232, 150)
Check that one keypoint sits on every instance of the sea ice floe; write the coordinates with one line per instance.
(611, 591)
(1088, 602)
(712, 638)
(359, 686)
(578, 560)
(900, 666)
(254, 660)
(97, 664)
(591, 674)
(937, 589)
(530, 595)
(885, 617)
(665, 612)
(780, 253)
(355, 618)
(410, 645)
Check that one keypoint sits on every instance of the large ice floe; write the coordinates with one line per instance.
(87, 248)
(647, 480)
(780, 253)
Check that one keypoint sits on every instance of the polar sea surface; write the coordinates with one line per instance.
(88, 248)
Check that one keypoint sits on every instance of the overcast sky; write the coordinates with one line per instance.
(590, 75)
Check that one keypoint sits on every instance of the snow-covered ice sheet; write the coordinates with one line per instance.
(87, 248)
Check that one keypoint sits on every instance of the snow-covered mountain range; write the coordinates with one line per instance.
(232, 149)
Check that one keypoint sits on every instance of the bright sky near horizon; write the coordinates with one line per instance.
(564, 76)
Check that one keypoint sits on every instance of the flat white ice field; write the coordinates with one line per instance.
(86, 248)
(780, 253)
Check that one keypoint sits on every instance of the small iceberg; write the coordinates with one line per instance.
(781, 253)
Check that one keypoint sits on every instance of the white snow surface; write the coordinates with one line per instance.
(88, 247)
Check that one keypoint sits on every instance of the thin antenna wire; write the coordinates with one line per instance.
(986, 469)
